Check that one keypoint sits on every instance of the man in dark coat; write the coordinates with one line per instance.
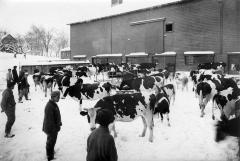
(52, 123)
(8, 106)
(15, 74)
(100, 143)
(23, 88)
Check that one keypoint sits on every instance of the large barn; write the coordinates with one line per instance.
(192, 31)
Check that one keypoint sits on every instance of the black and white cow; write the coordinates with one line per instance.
(81, 71)
(207, 89)
(229, 128)
(127, 107)
(62, 79)
(36, 79)
(170, 91)
(142, 84)
(88, 91)
(47, 83)
(228, 101)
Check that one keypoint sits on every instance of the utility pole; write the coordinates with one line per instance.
(111, 36)
(220, 26)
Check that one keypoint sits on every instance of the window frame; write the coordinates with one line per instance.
(169, 23)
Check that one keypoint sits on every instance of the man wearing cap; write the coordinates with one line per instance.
(100, 143)
(15, 74)
(52, 123)
(8, 106)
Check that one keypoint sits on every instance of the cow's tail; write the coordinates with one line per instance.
(174, 94)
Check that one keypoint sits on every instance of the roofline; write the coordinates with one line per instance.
(137, 10)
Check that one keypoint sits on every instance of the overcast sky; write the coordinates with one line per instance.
(16, 16)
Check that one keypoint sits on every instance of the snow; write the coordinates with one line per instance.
(198, 52)
(189, 138)
(66, 49)
(108, 55)
(137, 54)
(168, 53)
(79, 56)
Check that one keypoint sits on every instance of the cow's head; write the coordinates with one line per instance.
(156, 100)
(203, 91)
(97, 115)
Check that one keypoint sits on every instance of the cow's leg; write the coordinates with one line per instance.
(45, 91)
(202, 110)
(168, 119)
(51, 88)
(213, 116)
(161, 117)
(149, 121)
(64, 88)
(80, 105)
(144, 127)
(114, 130)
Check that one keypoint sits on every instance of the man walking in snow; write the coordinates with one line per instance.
(100, 143)
(8, 106)
(52, 123)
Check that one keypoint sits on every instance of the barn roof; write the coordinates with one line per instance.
(168, 53)
(123, 10)
(138, 54)
(79, 56)
(7, 39)
(109, 55)
(198, 52)
(236, 52)
(66, 49)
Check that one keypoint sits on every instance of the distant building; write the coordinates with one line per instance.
(65, 53)
(107, 58)
(8, 44)
(79, 57)
(190, 28)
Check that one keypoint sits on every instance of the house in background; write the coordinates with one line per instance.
(65, 53)
(9, 44)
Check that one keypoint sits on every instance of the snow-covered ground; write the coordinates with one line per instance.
(189, 138)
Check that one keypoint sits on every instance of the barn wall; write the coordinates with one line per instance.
(196, 27)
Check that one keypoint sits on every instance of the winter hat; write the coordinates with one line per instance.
(55, 93)
(104, 117)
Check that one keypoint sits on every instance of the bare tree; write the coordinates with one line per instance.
(34, 41)
(60, 41)
(39, 39)
(46, 38)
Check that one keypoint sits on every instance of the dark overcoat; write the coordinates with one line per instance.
(52, 118)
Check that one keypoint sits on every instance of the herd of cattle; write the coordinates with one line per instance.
(149, 93)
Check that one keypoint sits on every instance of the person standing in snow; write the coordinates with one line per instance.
(9, 77)
(100, 143)
(23, 88)
(8, 106)
(52, 123)
(15, 74)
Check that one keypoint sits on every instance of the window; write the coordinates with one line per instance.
(197, 59)
(169, 27)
